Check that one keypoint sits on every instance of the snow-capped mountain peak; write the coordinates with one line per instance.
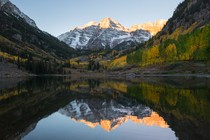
(110, 34)
(161, 21)
(152, 27)
(111, 23)
(89, 24)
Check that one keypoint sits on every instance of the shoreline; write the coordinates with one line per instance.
(111, 74)
(178, 69)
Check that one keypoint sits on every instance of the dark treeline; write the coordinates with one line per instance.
(43, 67)
(93, 65)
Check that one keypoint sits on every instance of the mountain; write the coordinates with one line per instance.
(8, 7)
(109, 34)
(152, 27)
(187, 13)
(23, 43)
(185, 37)
(79, 37)
(110, 114)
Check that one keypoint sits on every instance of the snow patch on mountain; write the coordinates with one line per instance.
(152, 27)
(108, 33)
(80, 36)
(111, 23)
(89, 24)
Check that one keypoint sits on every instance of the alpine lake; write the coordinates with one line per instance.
(146, 108)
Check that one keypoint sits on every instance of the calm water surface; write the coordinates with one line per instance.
(92, 109)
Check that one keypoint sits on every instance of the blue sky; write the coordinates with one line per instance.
(59, 16)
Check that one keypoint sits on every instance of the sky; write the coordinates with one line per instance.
(60, 16)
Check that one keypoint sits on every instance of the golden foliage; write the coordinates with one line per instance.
(119, 86)
(117, 63)
(11, 57)
(171, 52)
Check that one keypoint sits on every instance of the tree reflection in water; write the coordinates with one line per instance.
(182, 104)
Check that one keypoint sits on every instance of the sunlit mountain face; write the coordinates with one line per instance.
(110, 114)
(152, 27)
(109, 33)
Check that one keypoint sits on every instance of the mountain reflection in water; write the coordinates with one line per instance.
(110, 114)
(161, 107)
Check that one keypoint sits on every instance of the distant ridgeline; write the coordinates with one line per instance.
(185, 37)
(22, 43)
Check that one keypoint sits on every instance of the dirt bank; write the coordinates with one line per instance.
(11, 70)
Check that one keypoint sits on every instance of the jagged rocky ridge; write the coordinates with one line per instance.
(108, 34)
